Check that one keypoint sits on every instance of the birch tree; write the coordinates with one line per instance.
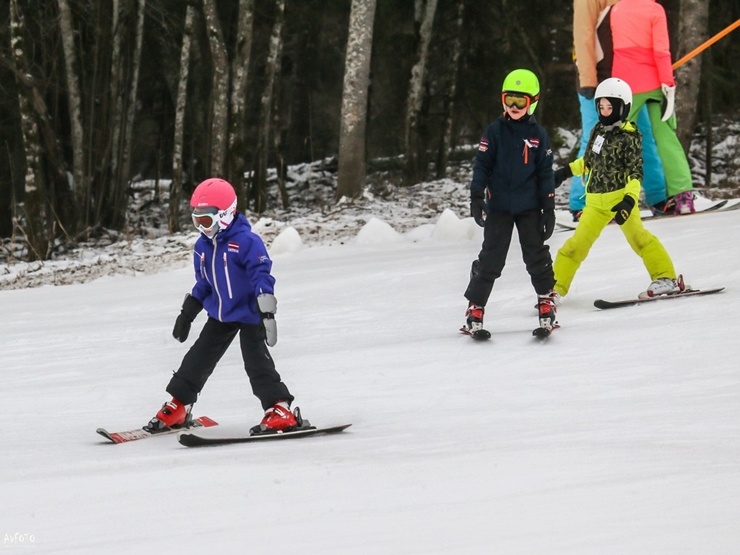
(259, 180)
(220, 88)
(692, 31)
(415, 160)
(32, 213)
(106, 211)
(74, 95)
(237, 146)
(352, 163)
(173, 221)
(449, 95)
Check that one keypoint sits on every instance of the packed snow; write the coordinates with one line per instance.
(618, 435)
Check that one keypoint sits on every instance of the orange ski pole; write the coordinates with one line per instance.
(726, 31)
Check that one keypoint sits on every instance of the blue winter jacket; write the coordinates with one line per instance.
(231, 270)
(514, 163)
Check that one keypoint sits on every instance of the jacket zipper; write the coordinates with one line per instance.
(215, 280)
(228, 278)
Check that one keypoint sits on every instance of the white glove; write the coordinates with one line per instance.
(268, 307)
(669, 102)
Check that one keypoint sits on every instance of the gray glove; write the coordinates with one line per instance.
(669, 101)
(268, 307)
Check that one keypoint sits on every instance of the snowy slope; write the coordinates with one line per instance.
(621, 435)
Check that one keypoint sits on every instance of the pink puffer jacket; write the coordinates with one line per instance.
(642, 55)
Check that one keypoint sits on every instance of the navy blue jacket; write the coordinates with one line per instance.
(514, 164)
(231, 270)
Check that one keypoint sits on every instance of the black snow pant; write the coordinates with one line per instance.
(492, 258)
(215, 337)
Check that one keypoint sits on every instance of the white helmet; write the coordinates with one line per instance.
(615, 88)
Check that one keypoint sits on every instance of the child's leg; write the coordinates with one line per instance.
(492, 257)
(654, 256)
(198, 363)
(535, 252)
(265, 380)
(575, 250)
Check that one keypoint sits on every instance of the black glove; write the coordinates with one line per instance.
(623, 209)
(191, 307)
(561, 174)
(478, 206)
(267, 305)
(547, 217)
(547, 224)
(587, 92)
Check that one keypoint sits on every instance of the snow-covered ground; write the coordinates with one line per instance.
(620, 435)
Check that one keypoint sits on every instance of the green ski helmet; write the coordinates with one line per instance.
(522, 81)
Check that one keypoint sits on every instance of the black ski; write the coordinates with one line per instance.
(604, 305)
(719, 206)
(189, 439)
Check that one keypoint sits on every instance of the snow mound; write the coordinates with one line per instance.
(377, 232)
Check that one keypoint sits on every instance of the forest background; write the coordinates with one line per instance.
(95, 95)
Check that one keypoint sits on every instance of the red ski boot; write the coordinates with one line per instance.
(278, 418)
(173, 414)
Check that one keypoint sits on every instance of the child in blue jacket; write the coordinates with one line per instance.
(234, 285)
(513, 184)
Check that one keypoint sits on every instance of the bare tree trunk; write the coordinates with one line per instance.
(352, 163)
(107, 210)
(412, 144)
(237, 149)
(173, 222)
(220, 91)
(81, 179)
(449, 101)
(692, 31)
(259, 185)
(133, 87)
(32, 212)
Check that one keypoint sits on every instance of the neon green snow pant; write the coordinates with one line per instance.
(675, 164)
(595, 217)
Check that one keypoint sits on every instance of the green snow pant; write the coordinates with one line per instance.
(675, 164)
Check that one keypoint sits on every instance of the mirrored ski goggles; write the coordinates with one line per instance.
(205, 218)
(512, 100)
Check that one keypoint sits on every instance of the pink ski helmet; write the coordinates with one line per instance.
(214, 206)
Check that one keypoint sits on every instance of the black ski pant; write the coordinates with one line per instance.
(215, 337)
(497, 233)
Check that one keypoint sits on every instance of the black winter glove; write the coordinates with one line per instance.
(478, 206)
(587, 92)
(191, 307)
(547, 224)
(623, 209)
(547, 217)
(561, 174)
